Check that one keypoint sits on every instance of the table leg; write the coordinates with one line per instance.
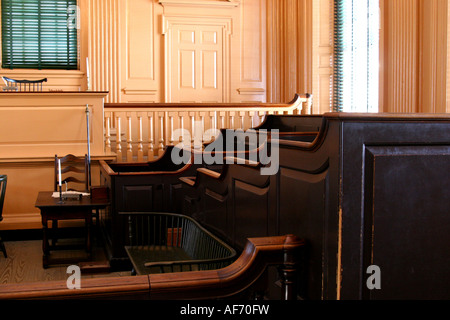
(45, 245)
(88, 222)
(54, 231)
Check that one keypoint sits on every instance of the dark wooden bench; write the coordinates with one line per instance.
(155, 185)
(166, 242)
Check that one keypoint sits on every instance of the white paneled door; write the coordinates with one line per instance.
(196, 63)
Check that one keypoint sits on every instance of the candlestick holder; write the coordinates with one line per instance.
(60, 195)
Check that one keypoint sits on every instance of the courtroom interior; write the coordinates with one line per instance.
(225, 149)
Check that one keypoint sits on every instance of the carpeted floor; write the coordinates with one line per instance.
(24, 263)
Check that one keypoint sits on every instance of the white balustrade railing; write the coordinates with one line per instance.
(140, 131)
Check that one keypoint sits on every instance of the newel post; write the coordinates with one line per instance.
(289, 270)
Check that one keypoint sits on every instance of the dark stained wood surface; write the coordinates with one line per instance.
(369, 190)
(156, 185)
(45, 200)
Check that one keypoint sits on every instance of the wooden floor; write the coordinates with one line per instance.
(24, 263)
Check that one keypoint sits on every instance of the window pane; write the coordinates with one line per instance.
(356, 55)
(36, 35)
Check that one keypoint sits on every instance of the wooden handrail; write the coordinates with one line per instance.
(232, 280)
(296, 102)
(284, 251)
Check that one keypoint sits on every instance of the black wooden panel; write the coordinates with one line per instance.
(250, 209)
(407, 221)
(214, 213)
(303, 202)
(175, 203)
(137, 198)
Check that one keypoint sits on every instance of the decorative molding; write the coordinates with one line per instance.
(104, 47)
(289, 48)
(413, 56)
(200, 3)
(322, 56)
(253, 43)
(132, 91)
(140, 42)
(251, 91)
(169, 20)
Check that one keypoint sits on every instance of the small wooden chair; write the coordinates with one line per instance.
(23, 85)
(3, 180)
(74, 177)
(74, 173)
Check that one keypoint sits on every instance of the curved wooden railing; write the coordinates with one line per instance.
(141, 131)
(284, 251)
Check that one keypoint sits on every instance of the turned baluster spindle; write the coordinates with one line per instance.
(222, 115)
(171, 128)
(289, 270)
(150, 148)
(129, 138)
(251, 114)
(242, 117)
(140, 151)
(161, 137)
(182, 135)
(192, 116)
(119, 137)
(201, 132)
(261, 116)
(108, 132)
(232, 114)
(213, 125)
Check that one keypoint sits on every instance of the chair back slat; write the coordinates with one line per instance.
(74, 172)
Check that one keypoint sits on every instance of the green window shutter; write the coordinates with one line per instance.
(35, 35)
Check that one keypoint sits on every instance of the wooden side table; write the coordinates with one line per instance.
(52, 209)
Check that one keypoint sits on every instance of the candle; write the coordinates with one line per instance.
(59, 171)
(87, 67)
(88, 77)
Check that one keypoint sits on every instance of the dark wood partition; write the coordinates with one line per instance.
(156, 185)
(138, 187)
(369, 190)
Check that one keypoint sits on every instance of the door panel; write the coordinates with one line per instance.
(196, 64)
